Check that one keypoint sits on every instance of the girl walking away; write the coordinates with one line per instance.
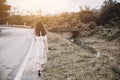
(41, 47)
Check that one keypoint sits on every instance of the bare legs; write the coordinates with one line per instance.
(40, 68)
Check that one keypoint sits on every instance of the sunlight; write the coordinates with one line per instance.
(51, 6)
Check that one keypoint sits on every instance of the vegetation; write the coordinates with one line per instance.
(66, 61)
(4, 8)
(110, 12)
(107, 15)
(87, 15)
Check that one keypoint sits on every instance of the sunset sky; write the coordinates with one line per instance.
(53, 6)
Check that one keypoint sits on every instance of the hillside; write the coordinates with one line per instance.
(67, 61)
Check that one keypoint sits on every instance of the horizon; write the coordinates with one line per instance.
(53, 6)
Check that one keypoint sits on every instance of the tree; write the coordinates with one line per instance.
(4, 8)
(110, 11)
(87, 15)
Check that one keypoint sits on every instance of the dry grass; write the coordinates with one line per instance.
(66, 61)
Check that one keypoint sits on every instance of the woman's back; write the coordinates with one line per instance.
(41, 37)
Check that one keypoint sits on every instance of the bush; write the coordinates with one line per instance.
(87, 16)
(108, 25)
(112, 24)
(116, 70)
(114, 36)
(92, 25)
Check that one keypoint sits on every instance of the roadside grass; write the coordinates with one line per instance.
(67, 61)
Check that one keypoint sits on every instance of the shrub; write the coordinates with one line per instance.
(92, 25)
(108, 25)
(114, 36)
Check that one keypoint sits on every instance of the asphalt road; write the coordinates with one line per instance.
(14, 45)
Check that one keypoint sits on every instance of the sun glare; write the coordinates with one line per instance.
(51, 6)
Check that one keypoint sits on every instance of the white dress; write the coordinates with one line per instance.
(40, 50)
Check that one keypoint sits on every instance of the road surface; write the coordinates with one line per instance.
(14, 46)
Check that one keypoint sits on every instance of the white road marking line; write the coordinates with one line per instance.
(20, 72)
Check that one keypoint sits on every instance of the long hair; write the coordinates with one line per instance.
(40, 30)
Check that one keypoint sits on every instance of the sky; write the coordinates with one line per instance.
(53, 6)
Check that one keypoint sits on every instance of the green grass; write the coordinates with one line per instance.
(67, 61)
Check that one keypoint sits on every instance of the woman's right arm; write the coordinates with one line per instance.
(46, 43)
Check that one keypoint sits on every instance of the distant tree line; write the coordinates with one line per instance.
(107, 15)
(4, 11)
